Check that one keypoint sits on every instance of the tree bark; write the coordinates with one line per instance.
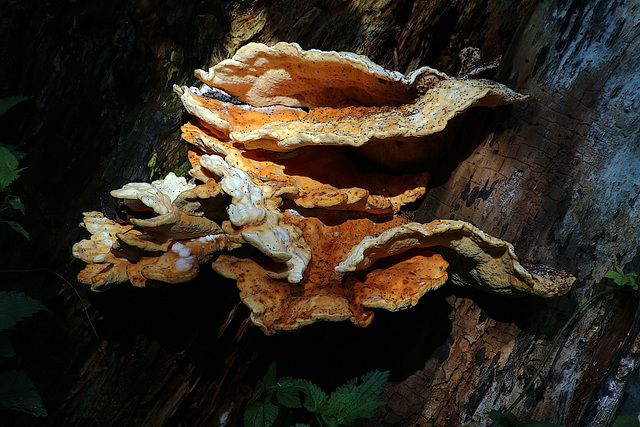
(558, 178)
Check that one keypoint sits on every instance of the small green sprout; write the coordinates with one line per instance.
(621, 278)
(10, 204)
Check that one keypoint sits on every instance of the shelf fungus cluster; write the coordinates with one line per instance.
(301, 156)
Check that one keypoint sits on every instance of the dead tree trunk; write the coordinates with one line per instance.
(560, 179)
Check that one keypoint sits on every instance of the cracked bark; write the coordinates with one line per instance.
(558, 178)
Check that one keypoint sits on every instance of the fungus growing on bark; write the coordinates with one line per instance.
(478, 259)
(157, 196)
(111, 259)
(166, 244)
(352, 102)
(392, 271)
(285, 74)
(317, 177)
(254, 218)
(278, 128)
(323, 295)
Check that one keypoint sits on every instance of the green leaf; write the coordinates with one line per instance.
(8, 168)
(269, 381)
(352, 400)
(260, 414)
(6, 348)
(621, 279)
(288, 392)
(19, 228)
(270, 377)
(347, 388)
(270, 413)
(626, 421)
(9, 101)
(16, 306)
(503, 419)
(258, 391)
(342, 409)
(315, 398)
(16, 204)
(12, 149)
(253, 413)
(373, 384)
(368, 393)
(18, 393)
(611, 274)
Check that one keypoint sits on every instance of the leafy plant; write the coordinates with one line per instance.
(17, 391)
(621, 279)
(9, 172)
(507, 418)
(273, 399)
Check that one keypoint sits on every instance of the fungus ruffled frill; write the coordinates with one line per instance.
(167, 244)
(321, 295)
(280, 145)
(478, 259)
(317, 177)
(351, 102)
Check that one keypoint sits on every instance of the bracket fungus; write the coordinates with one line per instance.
(308, 176)
(280, 142)
(349, 101)
(481, 260)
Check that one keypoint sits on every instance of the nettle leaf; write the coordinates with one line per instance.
(16, 204)
(342, 409)
(372, 384)
(19, 228)
(16, 153)
(352, 400)
(8, 168)
(270, 377)
(315, 398)
(270, 414)
(18, 393)
(260, 414)
(7, 102)
(288, 392)
(258, 391)
(16, 306)
(347, 388)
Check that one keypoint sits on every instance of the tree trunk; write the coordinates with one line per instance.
(559, 179)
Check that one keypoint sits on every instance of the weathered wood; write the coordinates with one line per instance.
(558, 178)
